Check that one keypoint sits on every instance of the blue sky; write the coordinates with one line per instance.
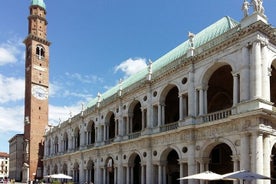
(95, 43)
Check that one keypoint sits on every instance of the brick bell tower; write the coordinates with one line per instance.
(36, 91)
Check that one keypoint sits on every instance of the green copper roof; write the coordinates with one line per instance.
(206, 35)
(38, 3)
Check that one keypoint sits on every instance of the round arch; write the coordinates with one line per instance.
(171, 157)
(133, 155)
(166, 90)
(165, 152)
(208, 146)
(208, 72)
(135, 112)
(109, 115)
(134, 161)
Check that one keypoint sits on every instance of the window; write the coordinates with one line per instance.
(40, 52)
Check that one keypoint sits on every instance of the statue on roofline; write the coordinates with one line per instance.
(256, 4)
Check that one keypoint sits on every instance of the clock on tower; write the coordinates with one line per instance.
(36, 91)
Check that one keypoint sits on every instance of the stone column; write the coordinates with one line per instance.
(159, 115)
(163, 114)
(98, 174)
(143, 118)
(104, 175)
(127, 174)
(235, 89)
(120, 169)
(142, 174)
(257, 154)
(131, 174)
(181, 107)
(201, 102)
(245, 75)
(191, 162)
(267, 157)
(256, 75)
(266, 73)
(160, 173)
(191, 94)
(149, 168)
(245, 156)
(164, 175)
(81, 174)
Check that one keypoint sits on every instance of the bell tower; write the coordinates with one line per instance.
(36, 91)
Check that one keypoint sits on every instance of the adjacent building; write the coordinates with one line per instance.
(16, 157)
(4, 165)
(208, 104)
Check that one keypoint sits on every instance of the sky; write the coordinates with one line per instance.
(95, 43)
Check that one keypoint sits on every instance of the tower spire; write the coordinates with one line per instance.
(38, 3)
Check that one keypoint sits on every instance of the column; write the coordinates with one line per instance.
(149, 168)
(163, 114)
(149, 109)
(245, 75)
(160, 174)
(185, 107)
(191, 162)
(266, 74)
(97, 171)
(107, 132)
(245, 157)
(120, 169)
(235, 89)
(191, 94)
(164, 174)
(81, 174)
(142, 174)
(127, 174)
(143, 119)
(181, 169)
(159, 115)
(205, 111)
(131, 175)
(201, 102)
(104, 176)
(267, 158)
(235, 165)
(256, 75)
(127, 125)
(257, 154)
(181, 110)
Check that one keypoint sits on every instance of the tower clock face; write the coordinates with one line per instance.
(40, 92)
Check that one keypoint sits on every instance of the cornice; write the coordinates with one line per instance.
(36, 38)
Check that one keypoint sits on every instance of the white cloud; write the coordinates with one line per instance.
(10, 51)
(62, 113)
(12, 89)
(84, 78)
(6, 56)
(131, 66)
(11, 119)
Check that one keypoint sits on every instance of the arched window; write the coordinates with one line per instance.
(40, 52)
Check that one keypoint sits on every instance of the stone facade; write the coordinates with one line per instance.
(16, 157)
(210, 109)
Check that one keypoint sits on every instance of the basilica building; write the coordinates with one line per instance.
(208, 104)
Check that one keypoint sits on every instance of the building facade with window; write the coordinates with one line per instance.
(208, 104)
(16, 148)
(4, 165)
